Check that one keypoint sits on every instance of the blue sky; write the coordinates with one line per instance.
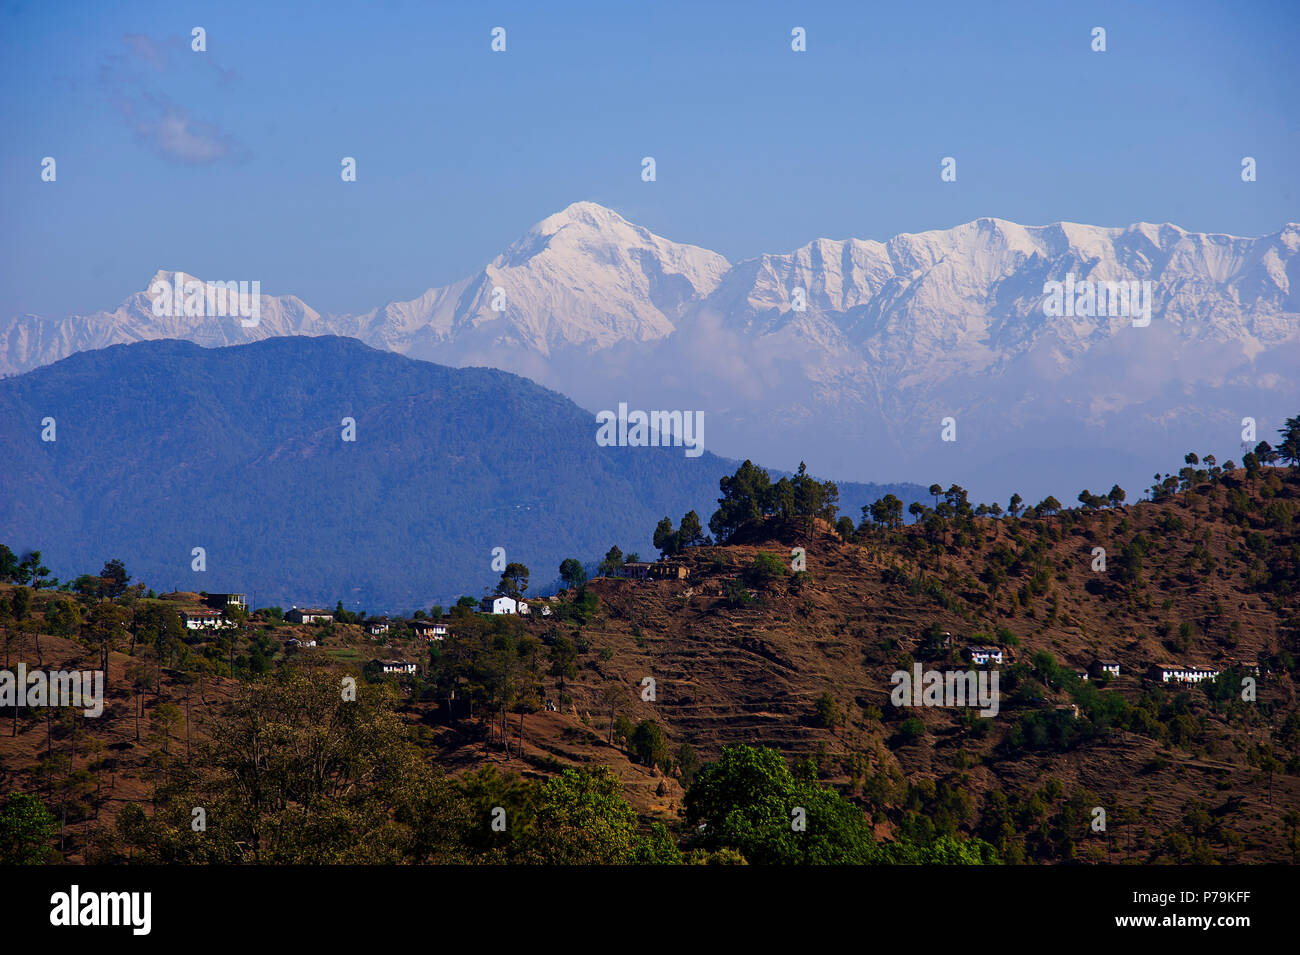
(226, 163)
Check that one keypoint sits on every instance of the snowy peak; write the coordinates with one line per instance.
(586, 278)
(586, 235)
(582, 215)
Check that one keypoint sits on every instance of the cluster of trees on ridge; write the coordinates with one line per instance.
(751, 495)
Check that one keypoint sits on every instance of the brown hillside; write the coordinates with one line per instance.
(740, 657)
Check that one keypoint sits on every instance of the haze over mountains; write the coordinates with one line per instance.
(161, 447)
(895, 337)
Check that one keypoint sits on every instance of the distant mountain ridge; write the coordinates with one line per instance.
(846, 352)
(162, 447)
(586, 277)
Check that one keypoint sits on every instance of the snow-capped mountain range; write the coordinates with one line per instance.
(847, 353)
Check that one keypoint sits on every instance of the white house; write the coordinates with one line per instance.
(304, 615)
(1181, 673)
(1099, 668)
(983, 656)
(429, 630)
(396, 666)
(500, 605)
(202, 619)
(294, 643)
(523, 609)
(222, 601)
(376, 627)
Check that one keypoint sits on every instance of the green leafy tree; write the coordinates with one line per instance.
(766, 568)
(163, 719)
(62, 617)
(1289, 449)
(298, 775)
(749, 801)
(813, 500)
(691, 532)
(656, 848)
(736, 594)
(612, 562)
(115, 578)
(744, 497)
(26, 830)
(956, 497)
(21, 602)
(8, 564)
(573, 573)
(581, 818)
(32, 571)
(779, 499)
(564, 656)
(688, 764)
(623, 730)
(667, 540)
(910, 730)
(650, 746)
(886, 511)
(826, 711)
(943, 850)
(514, 580)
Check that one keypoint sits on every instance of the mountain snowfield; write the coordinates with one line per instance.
(895, 337)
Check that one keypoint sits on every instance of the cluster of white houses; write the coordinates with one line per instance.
(983, 656)
(428, 629)
(1181, 673)
(1099, 668)
(495, 604)
(431, 629)
(218, 605)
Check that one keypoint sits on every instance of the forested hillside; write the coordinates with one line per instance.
(739, 708)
